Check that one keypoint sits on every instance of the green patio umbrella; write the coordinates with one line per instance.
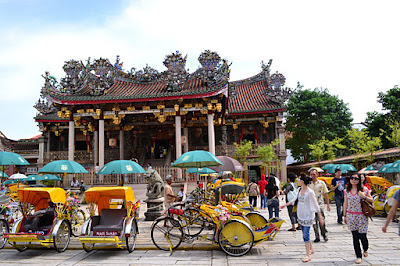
(395, 167)
(33, 178)
(63, 166)
(11, 158)
(204, 170)
(51, 177)
(345, 168)
(10, 181)
(327, 166)
(385, 168)
(370, 168)
(121, 167)
(2, 174)
(197, 159)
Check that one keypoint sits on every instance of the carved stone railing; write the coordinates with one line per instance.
(79, 156)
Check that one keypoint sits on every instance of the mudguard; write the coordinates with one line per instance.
(57, 226)
(16, 226)
(129, 222)
(86, 227)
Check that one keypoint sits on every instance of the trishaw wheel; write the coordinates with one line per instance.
(3, 229)
(166, 233)
(256, 219)
(194, 222)
(87, 247)
(131, 239)
(235, 238)
(20, 248)
(78, 219)
(63, 236)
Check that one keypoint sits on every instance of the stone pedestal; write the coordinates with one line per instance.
(155, 208)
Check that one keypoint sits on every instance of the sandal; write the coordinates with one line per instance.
(358, 261)
(312, 251)
(291, 229)
(365, 254)
(306, 259)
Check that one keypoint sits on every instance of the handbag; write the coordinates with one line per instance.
(368, 208)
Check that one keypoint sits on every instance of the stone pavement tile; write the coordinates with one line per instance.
(194, 262)
(219, 262)
(150, 261)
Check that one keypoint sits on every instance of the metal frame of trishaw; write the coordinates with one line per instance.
(236, 235)
(57, 234)
(111, 227)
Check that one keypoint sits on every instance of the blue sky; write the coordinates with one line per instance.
(349, 47)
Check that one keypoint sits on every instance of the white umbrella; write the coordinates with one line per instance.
(18, 176)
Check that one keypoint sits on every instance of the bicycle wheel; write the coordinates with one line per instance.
(77, 221)
(63, 236)
(165, 233)
(236, 238)
(193, 221)
(3, 229)
(131, 239)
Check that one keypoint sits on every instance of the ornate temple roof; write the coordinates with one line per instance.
(101, 82)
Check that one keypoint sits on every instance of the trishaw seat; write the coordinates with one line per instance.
(111, 220)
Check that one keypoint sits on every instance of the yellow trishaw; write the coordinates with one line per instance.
(42, 224)
(114, 223)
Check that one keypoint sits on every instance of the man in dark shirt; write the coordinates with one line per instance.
(338, 184)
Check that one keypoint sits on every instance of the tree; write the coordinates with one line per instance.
(242, 152)
(390, 101)
(377, 126)
(394, 136)
(362, 143)
(312, 114)
(325, 148)
(268, 156)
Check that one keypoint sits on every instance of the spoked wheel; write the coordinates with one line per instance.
(3, 229)
(63, 236)
(194, 222)
(20, 248)
(87, 246)
(131, 239)
(235, 238)
(256, 219)
(166, 233)
(77, 221)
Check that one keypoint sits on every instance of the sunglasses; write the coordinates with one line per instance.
(354, 178)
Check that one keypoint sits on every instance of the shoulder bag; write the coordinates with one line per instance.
(368, 208)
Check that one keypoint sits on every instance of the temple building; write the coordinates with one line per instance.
(98, 112)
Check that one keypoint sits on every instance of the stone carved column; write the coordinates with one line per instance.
(178, 141)
(71, 140)
(121, 144)
(101, 145)
(282, 150)
(211, 134)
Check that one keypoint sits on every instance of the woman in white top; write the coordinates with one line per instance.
(307, 206)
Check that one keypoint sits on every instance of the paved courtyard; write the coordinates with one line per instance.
(286, 249)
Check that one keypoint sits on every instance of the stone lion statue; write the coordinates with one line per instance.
(155, 184)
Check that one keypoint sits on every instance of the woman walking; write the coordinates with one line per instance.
(353, 215)
(307, 206)
(290, 191)
(272, 196)
(253, 191)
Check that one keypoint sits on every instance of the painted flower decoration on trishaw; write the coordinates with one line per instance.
(222, 213)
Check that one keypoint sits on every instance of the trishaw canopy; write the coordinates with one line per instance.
(380, 181)
(229, 186)
(38, 196)
(326, 179)
(102, 195)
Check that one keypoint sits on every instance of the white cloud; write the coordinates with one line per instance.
(349, 47)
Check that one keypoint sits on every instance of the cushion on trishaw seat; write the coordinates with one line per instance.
(175, 211)
(111, 220)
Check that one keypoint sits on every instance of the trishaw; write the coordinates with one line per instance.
(115, 222)
(4, 226)
(236, 225)
(384, 201)
(328, 182)
(49, 228)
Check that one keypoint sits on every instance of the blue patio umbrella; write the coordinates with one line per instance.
(204, 170)
(370, 168)
(63, 166)
(10, 181)
(121, 167)
(33, 178)
(385, 168)
(51, 177)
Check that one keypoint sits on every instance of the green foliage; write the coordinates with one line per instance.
(326, 149)
(311, 115)
(362, 143)
(390, 101)
(394, 136)
(377, 126)
(268, 156)
(242, 150)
